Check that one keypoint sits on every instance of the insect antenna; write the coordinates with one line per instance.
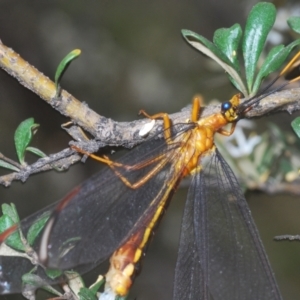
(287, 70)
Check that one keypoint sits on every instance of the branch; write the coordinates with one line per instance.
(106, 131)
(61, 161)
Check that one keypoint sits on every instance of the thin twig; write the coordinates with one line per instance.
(62, 160)
(10, 161)
(287, 237)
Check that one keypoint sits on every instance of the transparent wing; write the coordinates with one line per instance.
(230, 259)
(96, 217)
(189, 280)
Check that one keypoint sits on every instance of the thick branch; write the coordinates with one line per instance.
(105, 130)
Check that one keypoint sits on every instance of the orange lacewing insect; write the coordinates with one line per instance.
(113, 213)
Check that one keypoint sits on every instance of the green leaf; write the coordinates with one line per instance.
(68, 244)
(14, 240)
(194, 39)
(273, 61)
(36, 228)
(86, 294)
(11, 211)
(122, 297)
(37, 282)
(228, 41)
(23, 136)
(53, 273)
(296, 126)
(36, 151)
(208, 48)
(259, 23)
(294, 23)
(64, 64)
(97, 285)
(9, 166)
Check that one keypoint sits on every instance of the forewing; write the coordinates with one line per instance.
(104, 211)
(189, 280)
(231, 256)
(95, 218)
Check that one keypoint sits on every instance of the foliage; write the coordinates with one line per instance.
(225, 49)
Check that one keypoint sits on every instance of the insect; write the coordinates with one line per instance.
(113, 214)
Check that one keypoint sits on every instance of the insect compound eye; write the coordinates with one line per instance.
(225, 106)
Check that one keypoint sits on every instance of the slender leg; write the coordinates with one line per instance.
(166, 120)
(290, 64)
(196, 108)
(113, 165)
(227, 132)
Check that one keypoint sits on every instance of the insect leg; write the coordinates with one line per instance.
(113, 165)
(227, 132)
(144, 179)
(290, 64)
(166, 119)
(196, 108)
(105, 159)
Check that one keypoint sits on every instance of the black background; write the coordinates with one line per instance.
(133, 57)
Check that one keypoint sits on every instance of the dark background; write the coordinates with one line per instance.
(133, 57)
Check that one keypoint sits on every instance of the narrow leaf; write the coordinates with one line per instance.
(11, 211)
(13, 240)
(273, 62)
(37, 282)
(95, 287)
(294, 23)
(259, 23)
(36, 151)
(53, 273)
(36, 228)
(9, 166)
(296, 126)
(64, 64)
(23, 136)
(86, 294)
(208, 48)
(228, 41)
(194, 39)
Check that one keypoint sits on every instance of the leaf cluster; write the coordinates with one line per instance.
(229, 42)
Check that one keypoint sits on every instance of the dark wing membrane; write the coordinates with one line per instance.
(189, 280)
(231, 256)
(100, 214)
(12, 268)
(104, 212)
